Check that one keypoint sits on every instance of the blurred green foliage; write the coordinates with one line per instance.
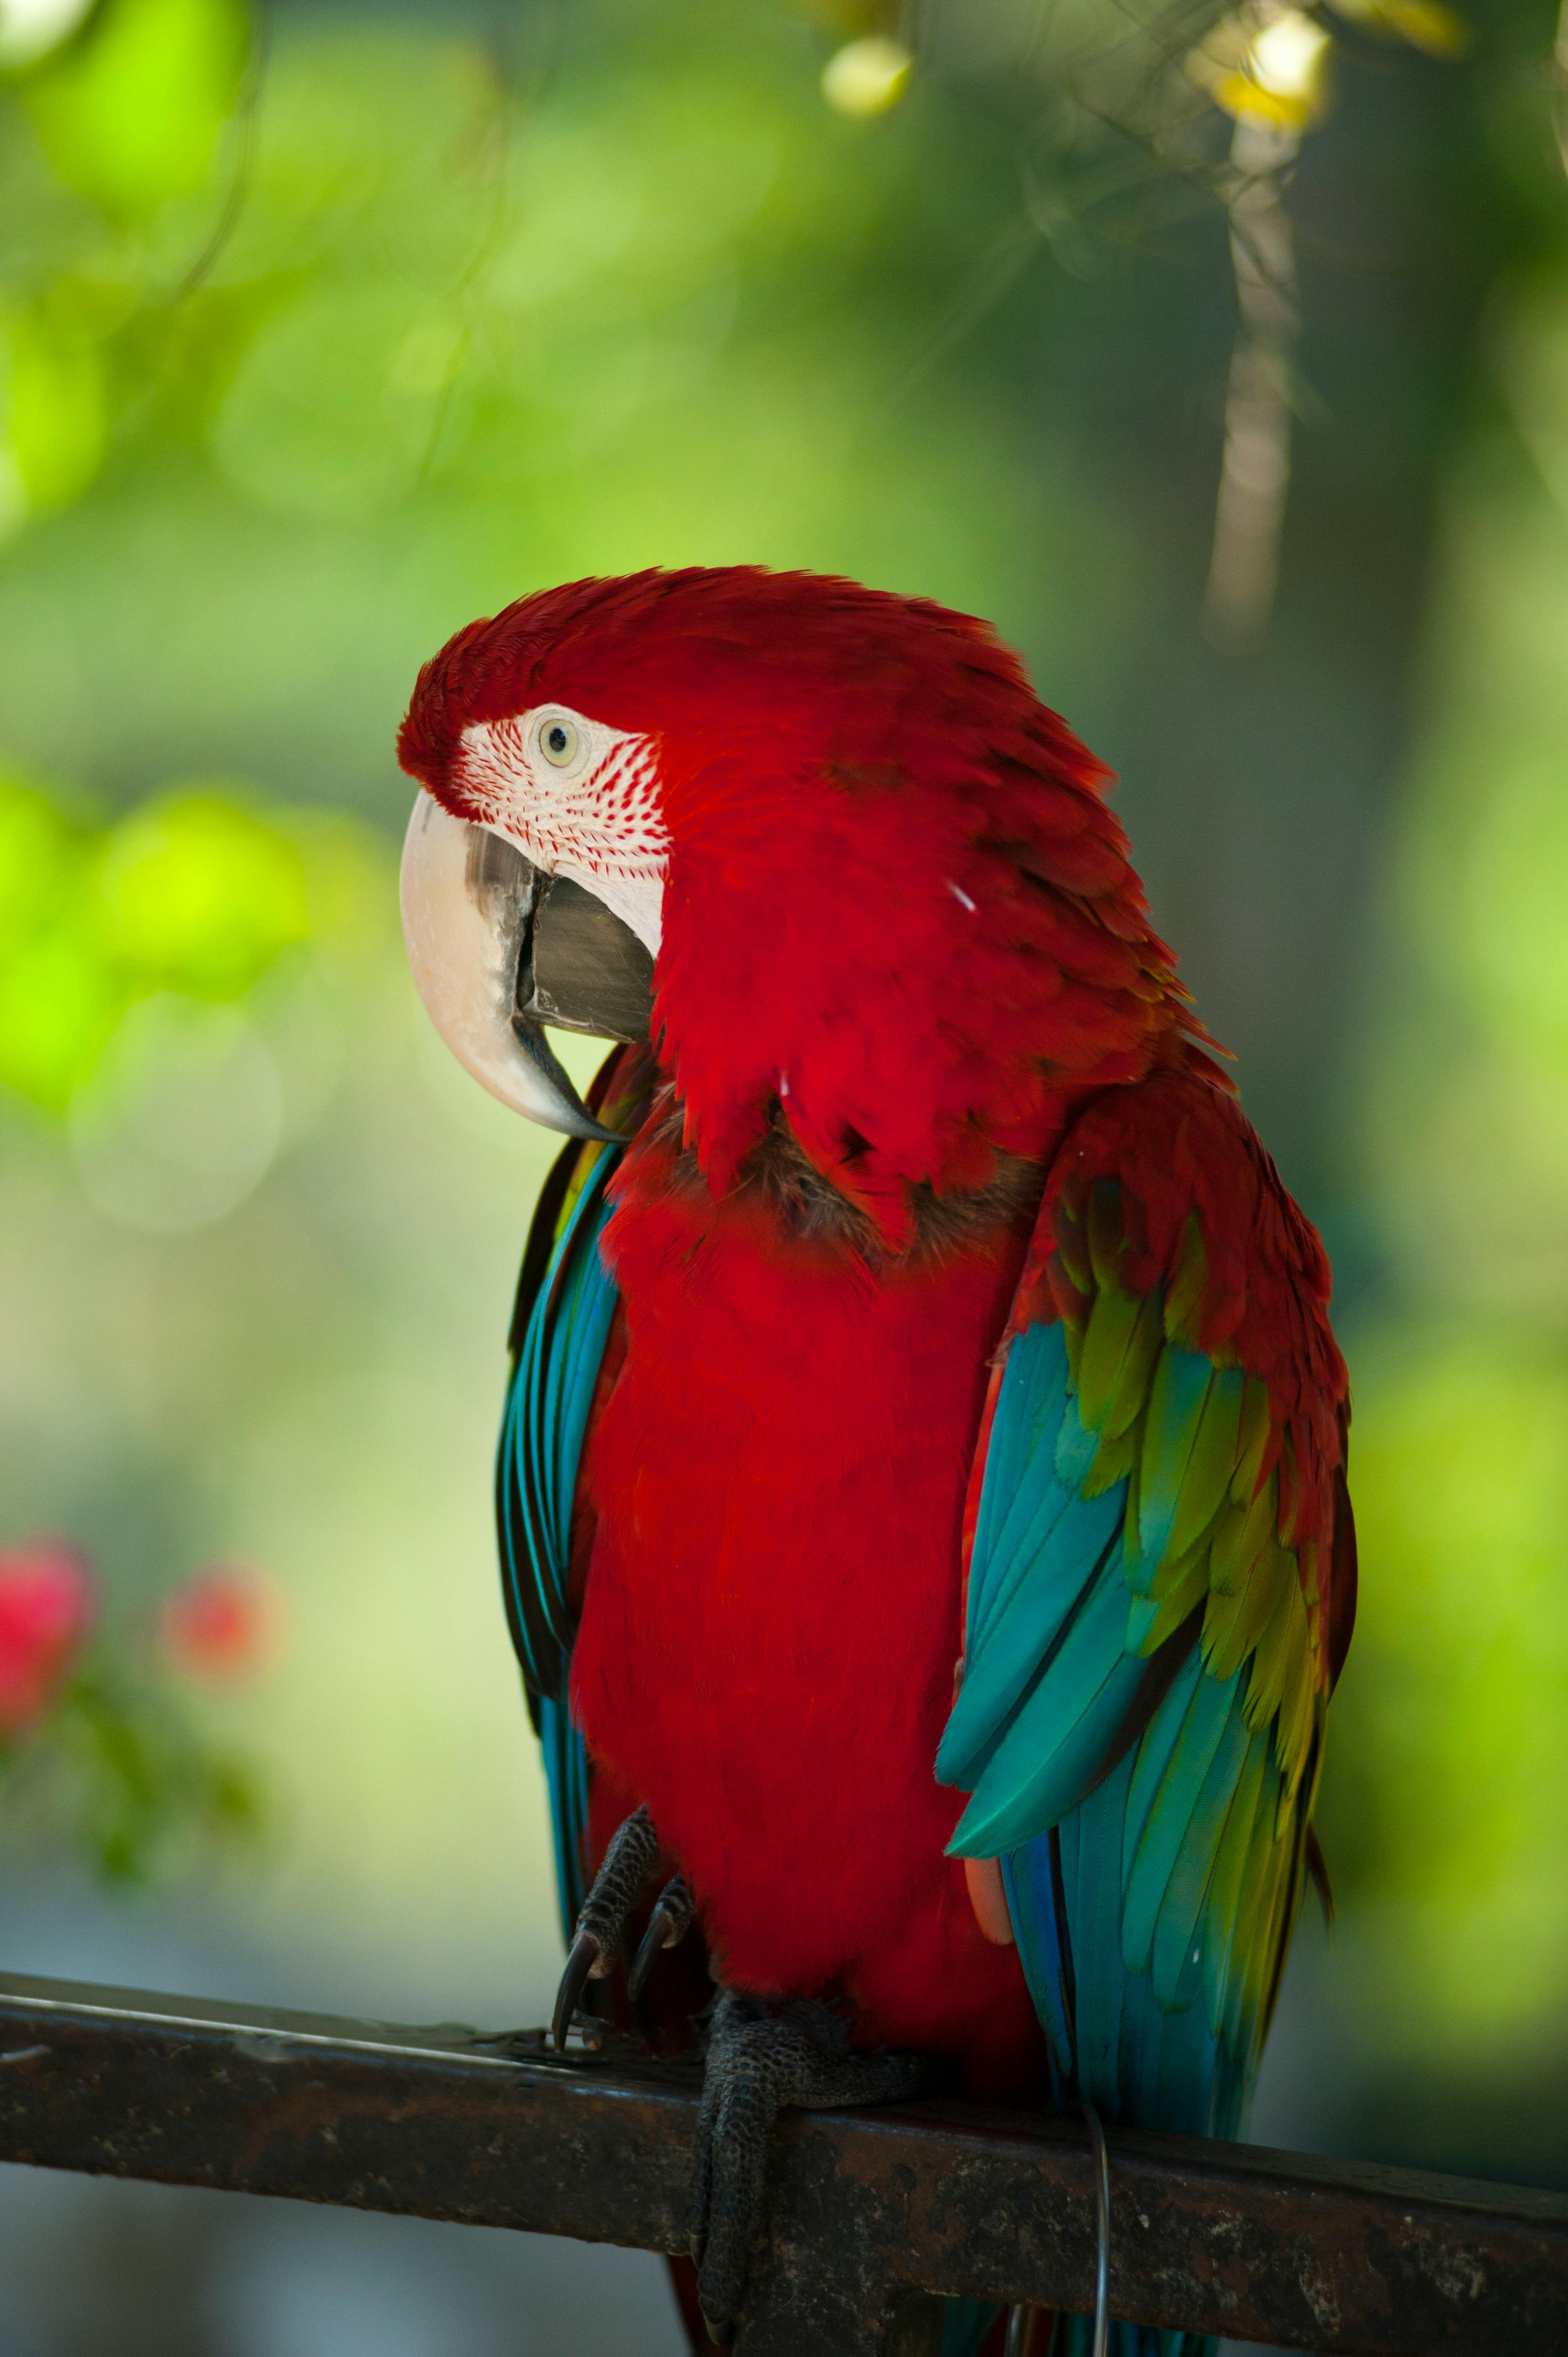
(129, 1774)
(127, 112)
(308, 358)
(1455, 1819)
(55, 407)
(130, 113)
(190, 892)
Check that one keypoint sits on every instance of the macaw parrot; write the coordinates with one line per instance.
(921, 1486)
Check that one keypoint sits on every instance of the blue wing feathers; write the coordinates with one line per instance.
(1030, 1880)
(1101, 1986)
(566, 1781)
(1170, 1811)
(1043, 1586)
(1036, 1619)
(551, 1391)
(1077, 1446)
(561, 1398)
(1033, 1393)
(541, 1434)
(1057, 1742)
(587, 1310)
(1160, 1739)
(1218, 1930)
(1123, 1875)
(1176, 1925)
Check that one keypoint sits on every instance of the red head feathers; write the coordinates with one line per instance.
(888, 895)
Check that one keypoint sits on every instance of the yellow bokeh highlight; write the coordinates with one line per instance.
(867, 76)
(1427, 25)
(1268, 69)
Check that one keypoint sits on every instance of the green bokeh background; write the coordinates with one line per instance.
(322, 331)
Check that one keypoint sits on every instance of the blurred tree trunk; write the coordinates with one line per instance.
(1260, 787)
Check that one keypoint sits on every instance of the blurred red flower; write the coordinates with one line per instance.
(45, 1610)
(221, 1624)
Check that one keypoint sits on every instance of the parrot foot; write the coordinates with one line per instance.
(628, 1864)
(759, 2060)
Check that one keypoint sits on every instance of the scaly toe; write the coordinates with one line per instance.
(758, 2062)
(629, 1861)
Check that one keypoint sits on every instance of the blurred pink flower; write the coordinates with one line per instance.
(45, 1610)
(221, 1624)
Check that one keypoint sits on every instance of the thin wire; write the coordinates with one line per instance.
(1102, 2228)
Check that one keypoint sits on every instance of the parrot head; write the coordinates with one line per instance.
(820, 846)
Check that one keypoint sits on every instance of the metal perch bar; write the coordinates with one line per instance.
(872, 2210)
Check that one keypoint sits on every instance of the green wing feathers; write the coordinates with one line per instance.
(1169, 1404)
(1191, 1438)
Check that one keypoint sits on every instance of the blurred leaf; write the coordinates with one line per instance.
(59, 993)
(59, 1001)
(120, 937)
(199, 896)
(130, 113)
(54, 422)
(146, 1781)
(40, 849)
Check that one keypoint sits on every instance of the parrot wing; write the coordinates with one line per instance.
(565, 1306)
(1160, 1582)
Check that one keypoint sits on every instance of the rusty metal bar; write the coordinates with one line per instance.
(870, 2209)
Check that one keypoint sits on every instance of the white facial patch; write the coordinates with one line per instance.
(580, 800)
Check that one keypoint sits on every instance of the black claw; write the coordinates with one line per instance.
(655, 1937)
(628, 1864)
(580, 1964)
(667, 1927)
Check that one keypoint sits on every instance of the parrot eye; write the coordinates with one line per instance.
(557, 739)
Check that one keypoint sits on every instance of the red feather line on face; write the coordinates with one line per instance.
(897, 905)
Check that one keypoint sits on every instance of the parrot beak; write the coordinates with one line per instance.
(498, 949)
